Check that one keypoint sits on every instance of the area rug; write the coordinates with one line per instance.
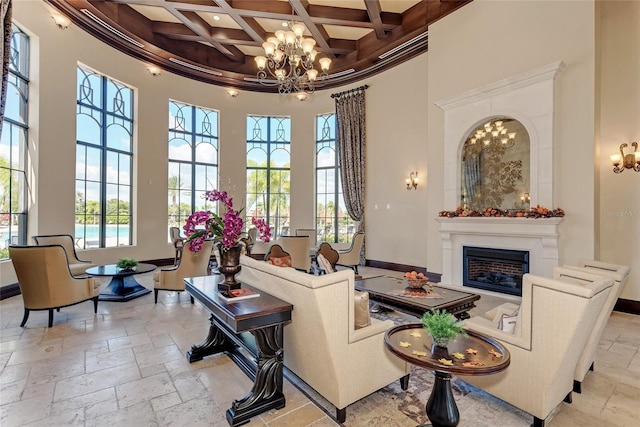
(393, 407)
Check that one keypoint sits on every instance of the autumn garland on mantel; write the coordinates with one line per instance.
(535, 212)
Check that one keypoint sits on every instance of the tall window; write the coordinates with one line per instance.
(104, 161)
(332, 220)
(13, 147)
(193, 159)
(269, 171)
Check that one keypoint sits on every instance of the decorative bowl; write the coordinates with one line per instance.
(416, 283)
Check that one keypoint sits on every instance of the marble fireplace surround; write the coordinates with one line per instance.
(528, 97)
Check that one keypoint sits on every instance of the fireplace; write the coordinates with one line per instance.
(498, 270)
(528, 97)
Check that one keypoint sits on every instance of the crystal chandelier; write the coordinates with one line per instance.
(289, 58)
(494, 133)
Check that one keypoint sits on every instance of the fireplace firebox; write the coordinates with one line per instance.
(498, 270)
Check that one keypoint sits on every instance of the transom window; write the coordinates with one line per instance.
(104, 161)
(269, 171)
(333, 222)
(193, 159)
(13, 147)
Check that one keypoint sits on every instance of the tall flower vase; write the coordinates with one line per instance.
(229, 266)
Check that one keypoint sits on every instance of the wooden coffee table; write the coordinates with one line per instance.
(389, 292)
(475, 354)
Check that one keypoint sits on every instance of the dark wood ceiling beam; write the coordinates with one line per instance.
(351, 17)
(229, 10)
(374, 9)
(191, 5)
(201, 27)
(175, 30)
(300, 6)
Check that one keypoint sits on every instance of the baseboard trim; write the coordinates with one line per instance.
(627, 306)
(434, 277)
(9, 291)
(13, 289)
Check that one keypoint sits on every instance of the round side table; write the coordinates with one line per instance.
(475, 354)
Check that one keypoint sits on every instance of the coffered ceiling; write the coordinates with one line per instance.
(216, 40)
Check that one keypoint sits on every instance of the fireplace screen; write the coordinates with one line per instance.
(498, 270)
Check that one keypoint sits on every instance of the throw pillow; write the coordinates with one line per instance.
(325, 264)
(507, 322)
(284, 261)
(362, 317)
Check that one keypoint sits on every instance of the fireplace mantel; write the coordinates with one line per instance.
(538, 236)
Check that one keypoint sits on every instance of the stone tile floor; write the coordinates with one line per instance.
(126, 366)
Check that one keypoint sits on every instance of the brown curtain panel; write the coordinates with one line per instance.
(351, 136)
(5, 54)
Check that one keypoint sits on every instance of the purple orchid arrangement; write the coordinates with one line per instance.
(263, 228)
(226, 229)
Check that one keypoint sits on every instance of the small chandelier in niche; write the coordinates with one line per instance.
(494, 134)
(290, 59)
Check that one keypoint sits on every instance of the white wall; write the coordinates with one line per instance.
(486, 41)
(478, 44)
(618, 207)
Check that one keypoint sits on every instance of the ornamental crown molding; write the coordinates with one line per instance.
(527, 78)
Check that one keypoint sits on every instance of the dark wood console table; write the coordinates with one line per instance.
(254, 324)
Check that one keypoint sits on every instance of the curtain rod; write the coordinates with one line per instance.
(335, 95)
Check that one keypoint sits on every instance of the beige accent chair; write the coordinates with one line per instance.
(330, 255)
(192, 264)
(555, 319)
(275, 251)
(77, 266)
(253, 235)
(351, 257)
(46, 283)
(313, 237)
(178, 243)
(620, 275)
(322, 345)
(298, 248)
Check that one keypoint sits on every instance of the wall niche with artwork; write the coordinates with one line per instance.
(496, 166)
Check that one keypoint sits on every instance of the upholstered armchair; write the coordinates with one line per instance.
(313, 237)
(298, 248)
(77, 266)
(178, 242)
(192, 264)
(46, 283)
(620, 275)
(330, 255)
(351, 257)
(553, 324)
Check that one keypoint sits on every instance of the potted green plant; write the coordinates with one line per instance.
(442, 326)
(126, 263)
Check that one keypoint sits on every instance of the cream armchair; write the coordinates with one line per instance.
(46, 282)
(553, 324)
(298, 248)
(351, 257)
(620, 275)
(192, 264)
(77, 266)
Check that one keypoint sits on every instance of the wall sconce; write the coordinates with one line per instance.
(232, 93)
(412, 181)
(301, 96)
(61, 21)
(525, 198)
(154, 71)
(626, 161)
